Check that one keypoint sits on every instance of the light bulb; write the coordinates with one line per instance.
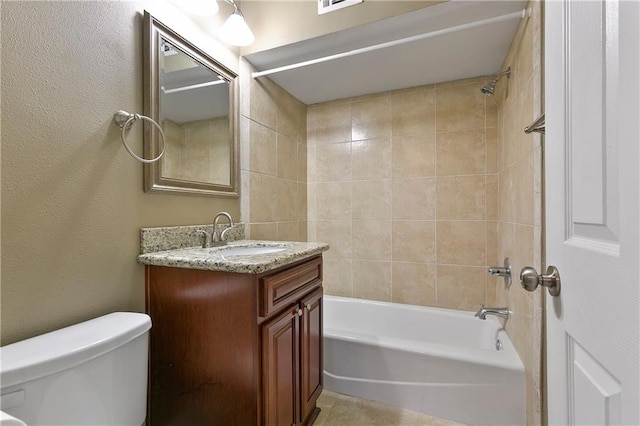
(235, 31)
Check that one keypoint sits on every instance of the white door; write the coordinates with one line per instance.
(592, 78)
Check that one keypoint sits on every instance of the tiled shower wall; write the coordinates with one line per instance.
(403, 186)
(273, 160)
(520, 198)
(198, 143)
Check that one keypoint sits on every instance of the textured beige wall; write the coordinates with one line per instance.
(277, 23)
(520, 198)
(72, 197)
(273, 163)
(402, 185)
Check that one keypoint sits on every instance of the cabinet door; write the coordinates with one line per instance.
(311, 352)
(280, 368)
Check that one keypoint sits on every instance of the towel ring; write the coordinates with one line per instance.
(125, 120)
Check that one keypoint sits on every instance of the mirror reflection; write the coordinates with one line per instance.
(194, 114)
(192, 96)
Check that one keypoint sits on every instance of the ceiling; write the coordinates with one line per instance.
(456, 55)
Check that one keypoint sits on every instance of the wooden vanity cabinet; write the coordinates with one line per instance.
(292, 357)
(235, 349)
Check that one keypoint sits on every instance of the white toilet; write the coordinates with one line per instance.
(92, 373)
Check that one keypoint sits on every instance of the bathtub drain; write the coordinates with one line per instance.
(498, 344)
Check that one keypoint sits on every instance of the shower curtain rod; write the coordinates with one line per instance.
(521, 14)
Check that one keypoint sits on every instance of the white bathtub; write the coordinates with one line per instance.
(436, 361)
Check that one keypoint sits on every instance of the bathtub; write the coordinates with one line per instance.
(435, 361)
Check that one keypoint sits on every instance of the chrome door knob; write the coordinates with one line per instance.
(530, 279)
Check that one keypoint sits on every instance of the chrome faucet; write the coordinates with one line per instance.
(217, 239)
(499, 312)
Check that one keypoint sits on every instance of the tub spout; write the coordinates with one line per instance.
(499, 312)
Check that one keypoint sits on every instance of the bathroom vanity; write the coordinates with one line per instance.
(236, 338)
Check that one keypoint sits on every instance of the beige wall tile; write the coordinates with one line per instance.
(507, 243)
(491, 141)
(288, 111)
(414, 199)
(371, 199)
(333, 162)
(524, 114)
(333, 201)
(263, 107)
(460, 152)
(459, 107)
(492, 244)
(311, 125)
(311, 201)
(507, 195)
(461, 287)
(520, 324)
(371, 119)
(263, 204)
(523, 65)
(413, 241)
(285, 193)
(371, 239)
(413, 283)
(264, 231)
(371, 159)
(491, 197)
(524, 246)
(460, 197)
(519, 193)
(523, 179)
(372, 280)
(301, 201)
(287, 231)
(311, 231)
(332, 122)
(337, 233)
(460, 242)
(303, 227)
(337, 277)
(262, 156)
(311, 164)
(492, 112)
(413, 156)
(287, 155)
(301, 161)
(413, 112)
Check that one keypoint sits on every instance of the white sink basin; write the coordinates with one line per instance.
(251, 251)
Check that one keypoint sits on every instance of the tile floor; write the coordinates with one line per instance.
(342, 410)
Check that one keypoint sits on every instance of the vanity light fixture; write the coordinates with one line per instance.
(235, 30)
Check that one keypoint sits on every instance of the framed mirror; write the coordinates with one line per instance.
(193, 98)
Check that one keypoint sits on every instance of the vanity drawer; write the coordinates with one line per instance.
(283, 288)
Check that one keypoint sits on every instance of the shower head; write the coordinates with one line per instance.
(490, 88)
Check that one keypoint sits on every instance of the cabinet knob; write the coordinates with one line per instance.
(308, 306)
(299, 312)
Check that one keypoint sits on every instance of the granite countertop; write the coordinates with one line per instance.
(214, 258)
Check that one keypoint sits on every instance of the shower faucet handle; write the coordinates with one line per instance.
(504, 271)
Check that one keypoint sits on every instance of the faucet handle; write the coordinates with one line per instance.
(504, 271)
(206, 237)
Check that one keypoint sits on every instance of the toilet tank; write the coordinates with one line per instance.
(92, 373)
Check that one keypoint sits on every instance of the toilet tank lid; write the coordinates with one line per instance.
(67, 347)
